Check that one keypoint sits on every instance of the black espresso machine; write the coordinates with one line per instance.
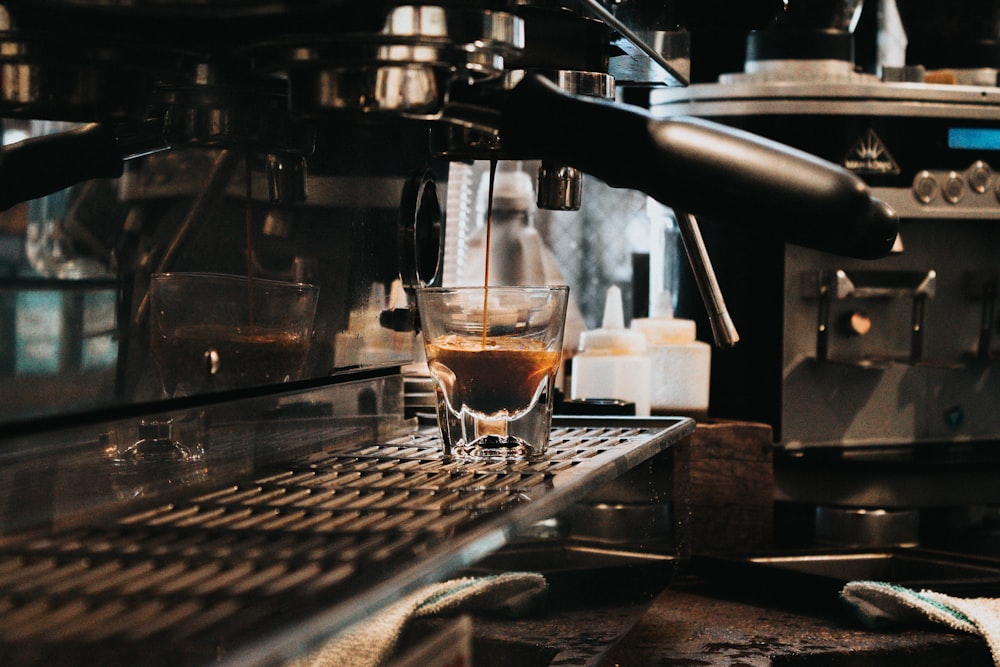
(879, 378)
(305, 141)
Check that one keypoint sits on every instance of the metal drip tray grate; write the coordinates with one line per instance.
(251, 571)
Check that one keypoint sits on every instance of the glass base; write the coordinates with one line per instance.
(158, 442)
(497, 448)
(162, 450)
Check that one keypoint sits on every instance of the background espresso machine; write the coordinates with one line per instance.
(304, 141)
(879, 378)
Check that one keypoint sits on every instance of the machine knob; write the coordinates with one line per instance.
(954, 188)
(980, 175)
(925, 188)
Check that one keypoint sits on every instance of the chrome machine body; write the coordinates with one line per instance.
(879, 377)
(321, 133)
(898, 350)
(306, 141)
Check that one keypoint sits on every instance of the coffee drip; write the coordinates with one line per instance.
(489, 230)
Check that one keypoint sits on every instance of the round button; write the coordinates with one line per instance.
(925, 188)
(980, 175)
(954, 188)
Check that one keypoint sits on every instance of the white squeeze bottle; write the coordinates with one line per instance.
(681, 365)
(612, 361)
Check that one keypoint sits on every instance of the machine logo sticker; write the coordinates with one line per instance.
(870, 156)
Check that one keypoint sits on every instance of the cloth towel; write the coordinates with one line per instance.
(371, 642)
(880, 605)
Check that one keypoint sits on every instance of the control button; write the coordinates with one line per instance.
(980, 175)
(925, 188)
(954, 188)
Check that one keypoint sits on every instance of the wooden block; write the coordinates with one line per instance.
(728, 488)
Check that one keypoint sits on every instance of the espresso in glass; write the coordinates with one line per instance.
(494, 374)
(505, 375)
(201, 357)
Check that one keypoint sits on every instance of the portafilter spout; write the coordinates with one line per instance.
(700, 167)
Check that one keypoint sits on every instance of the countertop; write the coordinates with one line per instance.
(693, 625)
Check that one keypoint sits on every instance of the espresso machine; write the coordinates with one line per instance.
(310, 142)
(878, 377)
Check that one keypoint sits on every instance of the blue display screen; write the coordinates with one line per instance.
(974, 138)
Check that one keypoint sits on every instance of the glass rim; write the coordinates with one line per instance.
(491, 288)
(231, 277)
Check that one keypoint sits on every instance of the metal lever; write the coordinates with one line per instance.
(602, 12)
(723, 329)
(986, 329)
(42, 165)
(982, 285)
(685, 164)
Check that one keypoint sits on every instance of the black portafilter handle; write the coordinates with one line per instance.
(42, 165)
(701, 167)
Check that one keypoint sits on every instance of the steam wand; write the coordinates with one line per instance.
(723, 329)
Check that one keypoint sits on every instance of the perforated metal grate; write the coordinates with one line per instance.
(189, 582)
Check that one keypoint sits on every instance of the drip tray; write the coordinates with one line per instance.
(254, 570)
(815, 578)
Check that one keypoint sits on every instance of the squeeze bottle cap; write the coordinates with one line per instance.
(613, 337)
(662, 328)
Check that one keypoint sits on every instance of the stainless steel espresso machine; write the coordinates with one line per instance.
(878, 377)
(306, 142)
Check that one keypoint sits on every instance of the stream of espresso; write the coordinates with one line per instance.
(489, 229)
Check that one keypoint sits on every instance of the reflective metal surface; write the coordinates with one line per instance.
(255, 566)
(370, 226)
(814, 578)
(922, 371)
